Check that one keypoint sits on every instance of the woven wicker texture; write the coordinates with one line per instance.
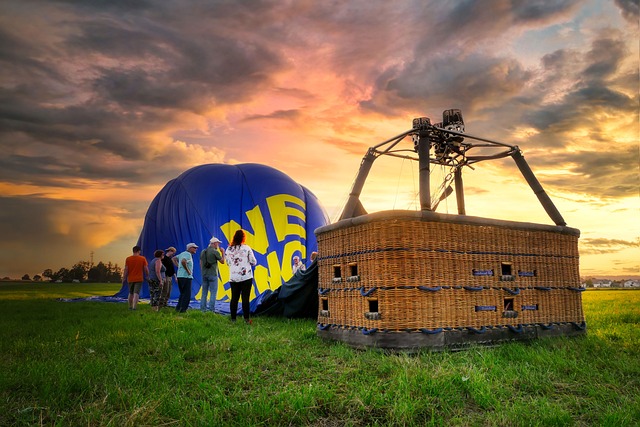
(438, 274)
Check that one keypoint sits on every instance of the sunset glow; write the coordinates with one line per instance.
(103, 103)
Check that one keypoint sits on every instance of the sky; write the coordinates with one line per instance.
(102, 102)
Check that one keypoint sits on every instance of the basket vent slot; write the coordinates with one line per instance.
(508, 304)
(373, 313)
(324, 307)
(506, 271)
(337, 273)
(352, 270)
(509, 311)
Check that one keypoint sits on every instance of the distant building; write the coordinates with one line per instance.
(631, 284)
(602, 283)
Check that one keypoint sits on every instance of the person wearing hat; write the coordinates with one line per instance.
(185, 276)
(209, 259)
(170, 271)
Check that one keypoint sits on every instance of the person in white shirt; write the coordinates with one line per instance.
(297, 265)
(240, 259)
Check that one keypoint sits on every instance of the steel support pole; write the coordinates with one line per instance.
(353, 206)
(533, 182)
(459, 191)
(423, 161)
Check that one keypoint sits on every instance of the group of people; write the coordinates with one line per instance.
(166, 264)
(159, 273)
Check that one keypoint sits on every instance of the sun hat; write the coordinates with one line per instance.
(170, 248)
(192, 245)
(214, 240)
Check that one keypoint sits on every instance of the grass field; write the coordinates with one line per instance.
(90, 363)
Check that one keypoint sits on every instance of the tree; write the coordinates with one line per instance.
(26, 277)
(115, 273)
(84, 271)
(62, 274)
(98, 273)
(79, 271)
(37, 278)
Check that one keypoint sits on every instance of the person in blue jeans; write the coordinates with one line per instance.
(185, 276)
(209, 259)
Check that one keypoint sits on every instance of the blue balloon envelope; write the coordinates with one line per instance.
(278, 215)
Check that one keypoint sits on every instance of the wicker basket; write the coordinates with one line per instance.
(420, 279)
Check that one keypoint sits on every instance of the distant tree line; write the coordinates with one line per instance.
(83, 271)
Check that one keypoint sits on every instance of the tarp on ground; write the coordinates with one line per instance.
(296, 298)
(277, 214)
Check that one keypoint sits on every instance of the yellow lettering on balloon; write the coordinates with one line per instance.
(280, 214)
(261, 277)
(258, 241)
(268, 278)
(223, 269)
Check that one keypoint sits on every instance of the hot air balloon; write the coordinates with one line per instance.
(279, 217)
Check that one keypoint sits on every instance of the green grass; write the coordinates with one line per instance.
(89, 363)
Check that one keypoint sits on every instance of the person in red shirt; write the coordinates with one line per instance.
(136, 269)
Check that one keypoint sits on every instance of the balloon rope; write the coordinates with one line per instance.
(398, 185)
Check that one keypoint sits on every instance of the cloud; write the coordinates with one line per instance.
(355, 148)
(287, 115)
(572, 91)
(121, 96)
(611, 173)
(97, 160)
(103, 117)
(471, 25)
(466, 82)
(39, 232)
(459, 58)
(599, 246)
(604, 58)
(632, 269)
(542, 11)
(579, 115)
(630, 10)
